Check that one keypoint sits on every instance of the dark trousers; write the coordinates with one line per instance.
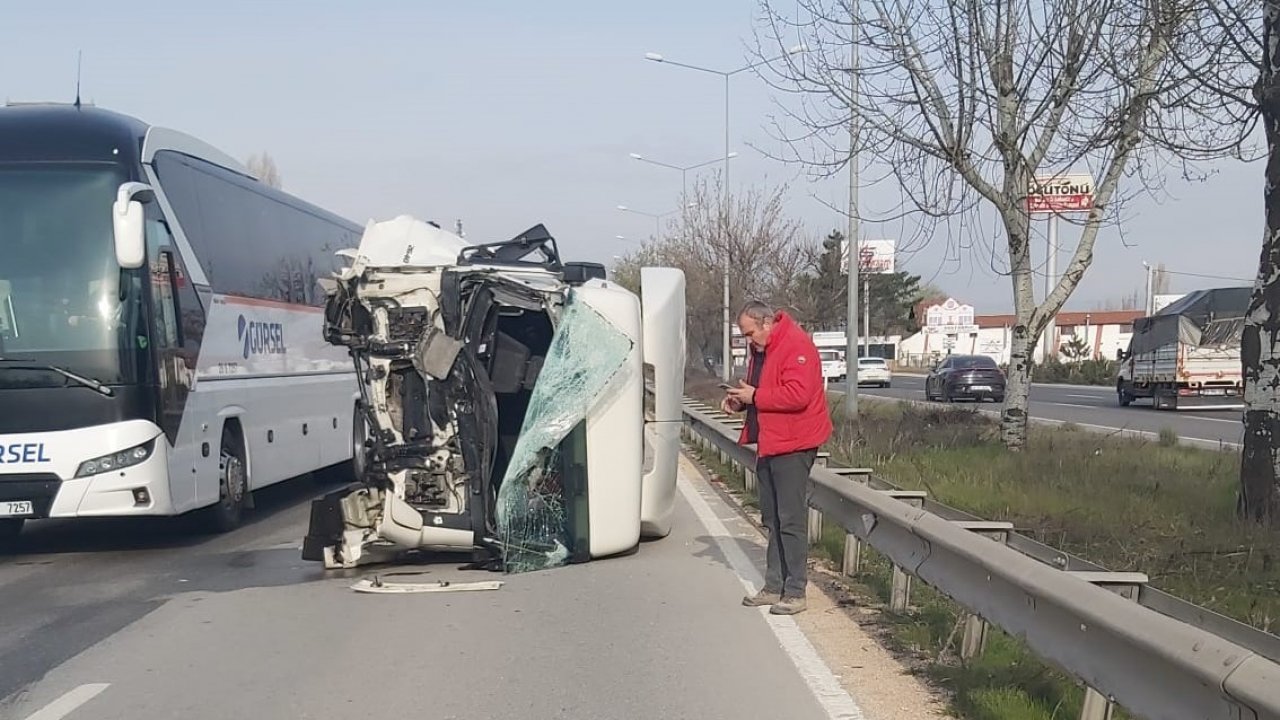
(784, 509)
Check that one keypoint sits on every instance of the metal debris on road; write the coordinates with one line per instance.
(376, 585)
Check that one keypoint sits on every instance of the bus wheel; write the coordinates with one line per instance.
(233, 485)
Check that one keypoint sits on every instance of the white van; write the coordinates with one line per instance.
(833, 365)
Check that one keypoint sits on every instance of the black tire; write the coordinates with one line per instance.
(10, 529)
(351, 471)
(998, 399)
(1122, 397)
(233, 485)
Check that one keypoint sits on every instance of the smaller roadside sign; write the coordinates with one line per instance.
(1061, 193)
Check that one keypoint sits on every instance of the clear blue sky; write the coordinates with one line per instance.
(506, 114)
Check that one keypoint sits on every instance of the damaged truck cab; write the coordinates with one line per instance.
(503, 408)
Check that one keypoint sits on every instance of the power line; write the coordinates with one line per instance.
(1202, 275)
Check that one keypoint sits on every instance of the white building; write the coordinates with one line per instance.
(953, 328)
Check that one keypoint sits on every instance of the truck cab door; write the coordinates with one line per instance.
(662, 297)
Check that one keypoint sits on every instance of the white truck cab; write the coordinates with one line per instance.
(502, 402)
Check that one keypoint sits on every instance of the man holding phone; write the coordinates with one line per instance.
(787, 419)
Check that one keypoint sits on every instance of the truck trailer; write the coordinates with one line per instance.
(1187, 355)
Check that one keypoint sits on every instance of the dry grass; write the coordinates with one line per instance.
(1126, 504)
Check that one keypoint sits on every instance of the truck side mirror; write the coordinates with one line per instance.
(128, 226)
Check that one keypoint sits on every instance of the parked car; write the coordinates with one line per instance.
(971, 377)
(874, 371)
(833, 365)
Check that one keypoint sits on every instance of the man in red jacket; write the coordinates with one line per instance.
(787, 420)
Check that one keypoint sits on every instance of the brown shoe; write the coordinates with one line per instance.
(764, 597)
(788, 606)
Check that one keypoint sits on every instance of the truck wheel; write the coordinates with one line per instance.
(1123, 397)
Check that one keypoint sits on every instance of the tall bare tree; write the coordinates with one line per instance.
(768, 254)
(264, 168)
(1253, 27)
(965, 102)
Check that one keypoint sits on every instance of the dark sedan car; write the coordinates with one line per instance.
(972, 377)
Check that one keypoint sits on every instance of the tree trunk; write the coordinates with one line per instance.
(1260, 346)
(1017, 391)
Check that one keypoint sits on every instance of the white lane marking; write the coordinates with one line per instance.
(1222, 420)
(821, 681)
(1074, 405)
(67, 704)
(1086, 397)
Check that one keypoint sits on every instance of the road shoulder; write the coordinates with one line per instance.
(884, 688)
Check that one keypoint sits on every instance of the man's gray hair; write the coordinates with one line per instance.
(757, 311)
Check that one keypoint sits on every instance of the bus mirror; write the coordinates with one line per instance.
(127, 223)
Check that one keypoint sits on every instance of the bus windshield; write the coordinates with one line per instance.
(60, 287)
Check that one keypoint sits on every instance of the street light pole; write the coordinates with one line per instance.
(684, 169)
(657, 218)
(726, 355)
(851, 291)
(726, 351)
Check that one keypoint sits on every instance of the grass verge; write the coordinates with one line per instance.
(1127, 504)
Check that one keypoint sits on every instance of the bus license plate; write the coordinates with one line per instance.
(16, 508)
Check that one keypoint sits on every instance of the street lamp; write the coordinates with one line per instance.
(726, 74)
(684, 169)
(657, 217)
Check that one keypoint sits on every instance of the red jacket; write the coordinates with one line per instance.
(791, 404)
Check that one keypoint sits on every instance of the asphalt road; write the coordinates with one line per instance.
(1096, 408)
(142, 621)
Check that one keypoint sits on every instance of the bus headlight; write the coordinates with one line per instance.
(117, 460)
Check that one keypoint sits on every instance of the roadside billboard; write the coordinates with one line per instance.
(875, 257)
(1071, 192)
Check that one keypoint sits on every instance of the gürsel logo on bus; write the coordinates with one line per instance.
(260, 338)
(23, 453)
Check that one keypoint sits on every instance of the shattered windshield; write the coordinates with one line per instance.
(534, 511)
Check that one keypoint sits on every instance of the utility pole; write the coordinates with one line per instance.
(1148, 296)
(726, 351)
(851, 290)
(1050, 281)
(866, 314)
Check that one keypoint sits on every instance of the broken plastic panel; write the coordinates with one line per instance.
(536, 510)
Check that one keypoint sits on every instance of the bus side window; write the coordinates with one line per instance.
(160, 253)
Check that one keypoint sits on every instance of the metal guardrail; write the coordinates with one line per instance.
(1154, 654)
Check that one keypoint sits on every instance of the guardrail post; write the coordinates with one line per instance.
(815, 525)
(975, 636)
(852, 555)
(749, 478)
(975, 628)
(900, 591)
(852, 545)
(1127, 585)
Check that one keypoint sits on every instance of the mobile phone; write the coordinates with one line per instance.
(725, 386)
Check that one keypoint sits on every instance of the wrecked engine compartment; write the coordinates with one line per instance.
(478, 367)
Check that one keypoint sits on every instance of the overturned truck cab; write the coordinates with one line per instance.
(502, 407)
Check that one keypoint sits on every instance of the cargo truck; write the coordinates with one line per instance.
(1187, 355)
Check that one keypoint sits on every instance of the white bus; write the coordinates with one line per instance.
(161, 345)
